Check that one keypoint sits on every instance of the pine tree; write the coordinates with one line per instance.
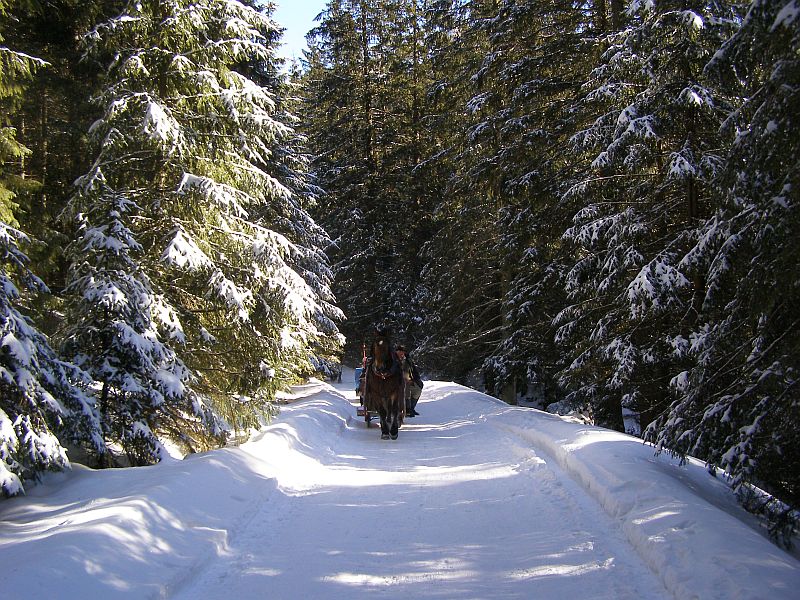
(188, 163)
(43, 399)
(655, 156)
(531, 73)
(364, 90)
(737, 403)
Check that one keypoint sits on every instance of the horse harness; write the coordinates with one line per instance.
(384, 375)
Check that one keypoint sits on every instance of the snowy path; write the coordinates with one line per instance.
(452, 509)
(475, 499)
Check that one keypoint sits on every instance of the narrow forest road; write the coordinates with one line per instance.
(455, 508)
(475, 500)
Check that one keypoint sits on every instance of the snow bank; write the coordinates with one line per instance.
(685, 523)
(146, 532)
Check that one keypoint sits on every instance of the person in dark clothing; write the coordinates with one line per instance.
(411, 378)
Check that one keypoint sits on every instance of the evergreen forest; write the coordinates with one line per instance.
(585, 205)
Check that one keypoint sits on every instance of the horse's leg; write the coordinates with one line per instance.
(384, 413)
(395, 416)
(401, 409)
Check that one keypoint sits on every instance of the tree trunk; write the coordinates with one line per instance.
(601, 16)
(43, 154)
(609, 414)
(366, 97)
(617, 14)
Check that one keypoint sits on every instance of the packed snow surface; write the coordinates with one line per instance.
(476, 499)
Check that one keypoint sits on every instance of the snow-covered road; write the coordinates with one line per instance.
(475, 499)
(455, 508)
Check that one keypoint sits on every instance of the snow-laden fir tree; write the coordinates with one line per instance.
(43, 400)
(186, 147)
(410, 189)
(112, 334)
(462, 276)
(654, 151)
(526, 86)
(738, 406)
(16, 68)
(319, 333)
(339, 89)
(364, 87)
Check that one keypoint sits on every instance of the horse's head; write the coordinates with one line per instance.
(381, 352)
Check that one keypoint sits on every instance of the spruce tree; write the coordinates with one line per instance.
(736, 404)
(337, 105)
(463, 275)
(53, 121)
(112, 334)
(531, 73)
(654, 151)
(315, 330)
(16, 70)
(187, 162)
(43, 400)
(364, 88)
(320, 330)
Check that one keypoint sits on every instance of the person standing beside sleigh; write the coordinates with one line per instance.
(413, 382)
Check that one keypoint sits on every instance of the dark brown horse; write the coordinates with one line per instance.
(384, 387)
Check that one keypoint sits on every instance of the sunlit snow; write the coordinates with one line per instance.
(476, 499)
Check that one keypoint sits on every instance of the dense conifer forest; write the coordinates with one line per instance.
(587, 205)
